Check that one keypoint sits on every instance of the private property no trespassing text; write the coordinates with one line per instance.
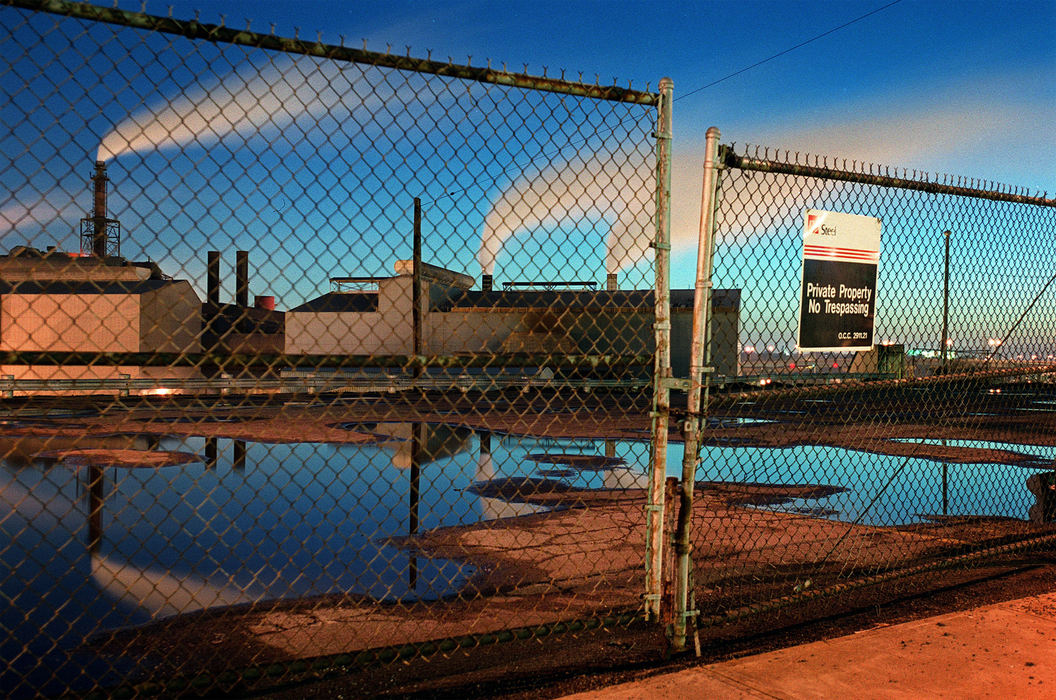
(838, 300)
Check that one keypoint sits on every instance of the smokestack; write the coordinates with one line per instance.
(610, 282)
(213, 278)
(265, 301)
(99, 222)
(486, 282)
(242, 278)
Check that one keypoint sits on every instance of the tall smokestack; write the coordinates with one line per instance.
(242, 278)
(213, 277)
(99, 222)
(610, 282)
(486, 282)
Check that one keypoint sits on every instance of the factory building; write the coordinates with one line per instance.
(52, 301)
(96, 301)
(457, 319)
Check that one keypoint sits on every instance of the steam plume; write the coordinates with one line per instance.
(587, 186)
(250, 101)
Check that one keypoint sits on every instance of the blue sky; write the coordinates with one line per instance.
(962, 88)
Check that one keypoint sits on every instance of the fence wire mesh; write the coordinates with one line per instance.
(310, 353)
(316, 358)
(824, 471)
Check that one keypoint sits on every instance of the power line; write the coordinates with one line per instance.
(788, 50)
(452, 192)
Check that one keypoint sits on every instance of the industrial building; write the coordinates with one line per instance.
(52, 301)
(95, 301)
(456, 319)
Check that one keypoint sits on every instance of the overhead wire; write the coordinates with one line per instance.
(452, 192)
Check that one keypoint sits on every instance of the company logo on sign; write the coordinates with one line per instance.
(815, 228)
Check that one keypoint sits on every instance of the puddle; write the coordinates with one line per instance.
(261, 521)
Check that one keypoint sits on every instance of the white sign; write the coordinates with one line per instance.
(837, 300)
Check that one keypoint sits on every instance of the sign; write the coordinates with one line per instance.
(837, 298)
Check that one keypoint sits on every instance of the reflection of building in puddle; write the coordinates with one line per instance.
(161, 594)
(434, 441)
(492, 508)
(505, 497)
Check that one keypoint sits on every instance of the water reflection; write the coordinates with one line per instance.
(256, 521)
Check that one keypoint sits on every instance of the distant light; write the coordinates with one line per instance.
(159, 391)
(835, 365)
(749, 348)
(770, 348)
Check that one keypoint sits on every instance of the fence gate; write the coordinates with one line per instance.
(931, 444)
(316, 357)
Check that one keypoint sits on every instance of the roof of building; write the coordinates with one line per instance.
(640, 300)
(85, 287)
(341, 301)
(627, 300)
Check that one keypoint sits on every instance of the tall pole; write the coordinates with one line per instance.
(654, 510)
(416, 287)
(416, 283)
(696, 403)
(945, 305)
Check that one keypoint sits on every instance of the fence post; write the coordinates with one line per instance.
(654, 510)
(696, 403)
(944, 347)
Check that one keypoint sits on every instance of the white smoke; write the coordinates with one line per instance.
(250, 101)
(588, 186)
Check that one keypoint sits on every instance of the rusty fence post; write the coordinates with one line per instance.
(696, 402)
(654, 515)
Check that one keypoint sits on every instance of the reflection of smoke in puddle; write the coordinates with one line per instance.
(579, 461)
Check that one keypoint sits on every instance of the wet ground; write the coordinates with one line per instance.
(573, 549)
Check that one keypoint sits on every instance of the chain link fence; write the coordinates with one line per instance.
(313, 357)
(317, 359)
(825, 471)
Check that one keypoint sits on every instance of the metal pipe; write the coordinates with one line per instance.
(213, 277)
(662, 369)
(194, 29)
(242, 278)
(945, 305)
(697, 398)
(416, 286)
(99, 222)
